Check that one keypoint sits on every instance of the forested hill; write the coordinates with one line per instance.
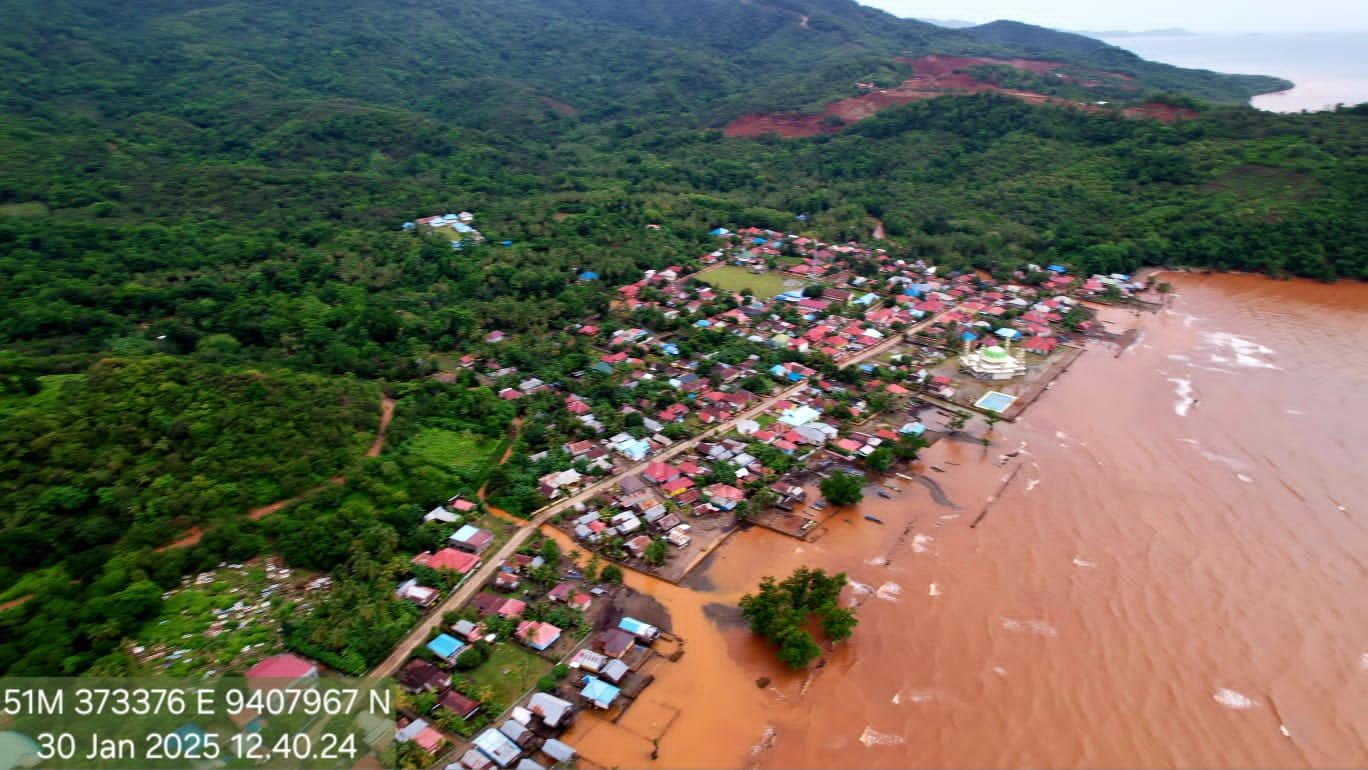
(483, 62)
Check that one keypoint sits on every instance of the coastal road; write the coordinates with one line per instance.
(477, 579)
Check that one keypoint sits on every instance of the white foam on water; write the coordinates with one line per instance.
(1244, 478)
(858, 589)
(1061, 435)
(896, 699)
(1085, 564)
(1293, 411)
(871, 737)
(935, 590)
(1363, 661)
(921, 543)
(1234, 700)
(921, 696)
(889, 592)
(1229, 462)
(999, 670)
(1191, 441)
(1178, 357)
(1032, 484)
(766, 741)
(1247, 353)
(877, 561)
(1037, 627)
(1215, 369)
(798, 549)
(949, 516)
(1184, 392)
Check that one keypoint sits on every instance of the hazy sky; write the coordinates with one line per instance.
(1201, 16)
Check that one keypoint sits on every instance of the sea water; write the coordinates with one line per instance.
(1329, 68)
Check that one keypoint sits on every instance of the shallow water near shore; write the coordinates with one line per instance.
(1173, 577)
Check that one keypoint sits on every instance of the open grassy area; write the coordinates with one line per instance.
(763, 285)
(462, 452)
(510, 671)
(31, 209)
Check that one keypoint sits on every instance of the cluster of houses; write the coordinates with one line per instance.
(459, 226)
(853, 312)
(526, 732)
(602, 671)
(460, 558)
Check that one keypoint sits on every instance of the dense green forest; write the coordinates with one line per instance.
(204, 283)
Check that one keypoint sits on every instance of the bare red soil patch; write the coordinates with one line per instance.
(932, 76)
(12, 603)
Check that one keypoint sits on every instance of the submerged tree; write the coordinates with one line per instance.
(843, 488)
(779, 611)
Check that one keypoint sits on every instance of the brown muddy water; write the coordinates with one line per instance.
(1175, 577)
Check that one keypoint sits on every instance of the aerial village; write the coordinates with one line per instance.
(763, 367)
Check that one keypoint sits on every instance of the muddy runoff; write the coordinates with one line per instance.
(1169, 573)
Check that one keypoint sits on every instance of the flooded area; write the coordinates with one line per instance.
(1169, 573)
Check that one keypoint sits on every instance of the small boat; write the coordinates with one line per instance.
(937, 468)
(885, 495)
(874, 519)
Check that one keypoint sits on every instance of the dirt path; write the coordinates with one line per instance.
(386, 413)
(879, 234)
(499, 512)
(12, 603)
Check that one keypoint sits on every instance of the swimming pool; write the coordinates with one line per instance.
(995, 401)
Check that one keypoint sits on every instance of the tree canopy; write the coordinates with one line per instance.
(778, 611)
(841, 488)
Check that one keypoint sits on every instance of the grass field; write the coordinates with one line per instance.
(764, 285)
(463, 452)
(510, 671)
(23, 209)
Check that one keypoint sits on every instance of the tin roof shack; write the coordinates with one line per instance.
(554, 712)
(558, 751)
(471, 539)
(498, 747)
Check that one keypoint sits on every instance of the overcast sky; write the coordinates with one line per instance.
(1236, 16)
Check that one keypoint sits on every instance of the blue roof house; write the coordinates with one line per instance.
(446, 647)
(599, 692)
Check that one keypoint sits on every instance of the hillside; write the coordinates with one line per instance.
(492, 63)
